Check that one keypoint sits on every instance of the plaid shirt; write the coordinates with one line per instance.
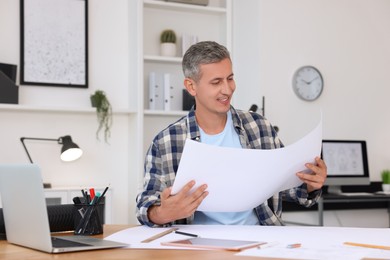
(163, 158)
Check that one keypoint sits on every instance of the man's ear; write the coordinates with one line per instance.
(190, 86)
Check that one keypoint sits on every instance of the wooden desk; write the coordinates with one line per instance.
(13, 252)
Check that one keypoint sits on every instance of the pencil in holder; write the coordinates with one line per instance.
(89, 219)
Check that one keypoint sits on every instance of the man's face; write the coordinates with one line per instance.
(214, 91)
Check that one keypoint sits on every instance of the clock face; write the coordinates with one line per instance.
(308, 83)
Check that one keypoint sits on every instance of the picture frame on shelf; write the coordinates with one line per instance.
(54, 40)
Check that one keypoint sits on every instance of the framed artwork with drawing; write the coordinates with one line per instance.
(54, 43)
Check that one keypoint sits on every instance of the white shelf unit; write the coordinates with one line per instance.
(57, 109)
(135, 125)
(212, 22)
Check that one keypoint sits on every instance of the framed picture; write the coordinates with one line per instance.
(54, 40)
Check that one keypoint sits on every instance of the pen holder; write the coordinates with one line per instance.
(89, 219)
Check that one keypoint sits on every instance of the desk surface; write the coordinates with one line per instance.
(13, 252)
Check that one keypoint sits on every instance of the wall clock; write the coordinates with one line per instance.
(308, 83)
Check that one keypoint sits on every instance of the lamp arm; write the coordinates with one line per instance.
(32, 138)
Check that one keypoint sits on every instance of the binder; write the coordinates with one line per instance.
(156, 92)
(152, 91)
(167, 92)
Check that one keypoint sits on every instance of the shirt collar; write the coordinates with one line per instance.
(193, 128)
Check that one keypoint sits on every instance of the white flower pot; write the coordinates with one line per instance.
(386, 187)
(168, 49)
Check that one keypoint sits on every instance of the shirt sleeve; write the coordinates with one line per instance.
(301, 196)
(154, 184)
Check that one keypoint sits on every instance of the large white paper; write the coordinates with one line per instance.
(241, 179)
(317, 242)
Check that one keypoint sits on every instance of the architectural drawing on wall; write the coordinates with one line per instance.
(54, 43)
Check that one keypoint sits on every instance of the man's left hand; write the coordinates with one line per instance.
(316, 179)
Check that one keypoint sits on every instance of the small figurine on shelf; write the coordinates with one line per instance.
(168, 43)
(103, 112)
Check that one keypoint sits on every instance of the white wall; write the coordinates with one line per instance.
(109, 69)
(348, 41)
(108, 56)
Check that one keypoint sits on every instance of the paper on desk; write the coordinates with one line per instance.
(241, 179)
(329, 252)
(133, 237)
(317, 242)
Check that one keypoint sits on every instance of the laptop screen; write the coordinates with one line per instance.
(24, 207)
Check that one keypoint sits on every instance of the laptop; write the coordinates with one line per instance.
(25, 214)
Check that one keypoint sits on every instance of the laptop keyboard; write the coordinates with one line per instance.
(58, 242)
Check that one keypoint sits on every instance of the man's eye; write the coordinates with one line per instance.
(215, 82)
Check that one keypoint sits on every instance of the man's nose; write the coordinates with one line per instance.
(226, 87)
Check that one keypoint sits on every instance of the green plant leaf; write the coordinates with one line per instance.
(104, 114)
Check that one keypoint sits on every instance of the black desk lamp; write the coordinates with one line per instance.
(69, 151)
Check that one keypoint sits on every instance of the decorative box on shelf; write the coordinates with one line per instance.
(9, 91)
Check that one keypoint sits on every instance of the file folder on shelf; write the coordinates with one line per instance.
(167, 92)
(156, 92)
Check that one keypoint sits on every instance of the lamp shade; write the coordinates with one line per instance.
(69, 151)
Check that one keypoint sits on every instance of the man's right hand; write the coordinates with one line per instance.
(178, 206)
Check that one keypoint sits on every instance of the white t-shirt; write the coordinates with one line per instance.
(227, 138)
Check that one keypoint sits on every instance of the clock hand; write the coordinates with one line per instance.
(307, 82)
(312, 80)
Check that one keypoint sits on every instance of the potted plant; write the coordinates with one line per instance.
(103, 112)
(168, 43)
(385, 180)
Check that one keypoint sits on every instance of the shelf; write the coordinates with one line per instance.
(162, 59)
(183, 7)
(165, 113)
(53, 109)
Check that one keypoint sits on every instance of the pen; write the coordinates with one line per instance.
(86, 196)
(95, 199)
(166, 232)
(92, 193)
(101, 196)
(105, 190)
(186, 234)
(367, 245)
(294, 245)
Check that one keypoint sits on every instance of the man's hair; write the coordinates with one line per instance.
(205, 52)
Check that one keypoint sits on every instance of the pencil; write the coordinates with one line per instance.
(367, 245)
(186, 234)
(166, 232)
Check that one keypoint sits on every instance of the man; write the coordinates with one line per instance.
(209, 78)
